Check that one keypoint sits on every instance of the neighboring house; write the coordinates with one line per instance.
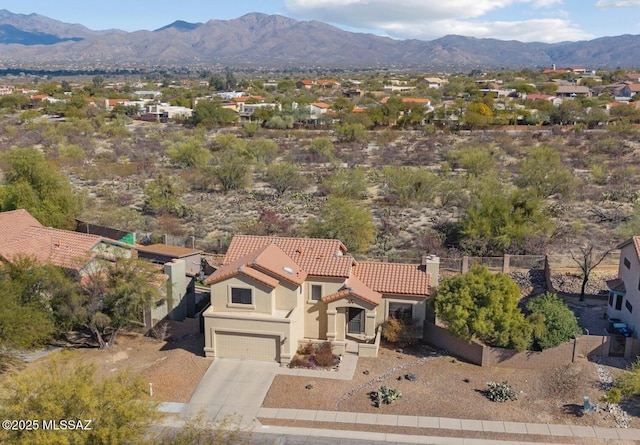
(274, 294)
(434, 82)
(573, 91)
(166, 111)
(304, 83)
(246, 110)
(317, 109)
(21, 235)
(624, 291)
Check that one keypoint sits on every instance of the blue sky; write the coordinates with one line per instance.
(524, 20)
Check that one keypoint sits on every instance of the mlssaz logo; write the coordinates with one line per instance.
(67, 425)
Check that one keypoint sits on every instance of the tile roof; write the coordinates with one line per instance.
(14, 222)
(394, 278)
(23, 235)
(242, 266)
(63, 248)
(317, 257)
(354, 287)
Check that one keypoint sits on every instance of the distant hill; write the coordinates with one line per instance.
(260, 40)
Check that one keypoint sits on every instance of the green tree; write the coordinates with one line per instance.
(498, 222)
(410, 185)
(211, 113)
(542, 171)
(482, 305)
(346, 220)
(283, 176)
(231, 172)
(189, 153)
(559, 322)
(118, 406)
(477, 161)
(118, 295)
(164, 195)
(350, 132)
(27, 290)
(322, 150)
(346, 183)
(34, 184)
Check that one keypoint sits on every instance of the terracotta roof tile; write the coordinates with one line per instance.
(394, 278)
(317, 257)
(14, 222)
(22, 235)
(63, 248)
(354, 287)
(242, 266)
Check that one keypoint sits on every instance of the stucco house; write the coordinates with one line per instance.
(624, 291)
(83, 254)
(273, 294)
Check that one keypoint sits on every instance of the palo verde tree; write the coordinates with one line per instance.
(346, 220)
(34, 184)
(115, 409)
(543, 172)
(497, 222)
(118, 295)
(284, 175)
(484, 306)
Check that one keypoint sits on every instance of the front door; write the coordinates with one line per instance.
(355, 321)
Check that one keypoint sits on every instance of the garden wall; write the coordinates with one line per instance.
(583, 346)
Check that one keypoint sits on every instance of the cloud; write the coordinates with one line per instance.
(540, 30)
(430, 19)
(605, 4)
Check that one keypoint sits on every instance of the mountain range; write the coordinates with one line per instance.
(260, 40)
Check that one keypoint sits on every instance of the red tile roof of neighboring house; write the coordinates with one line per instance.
(318, 257)
(71, 250)
(305, 82)
(15, 221)
(321, 105)
(354, 287)
(394, 278)
(22, 235)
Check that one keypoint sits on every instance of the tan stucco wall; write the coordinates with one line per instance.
(263, 296)
(419, 308)
(315, 312)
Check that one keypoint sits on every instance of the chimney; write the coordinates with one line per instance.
(432, 267)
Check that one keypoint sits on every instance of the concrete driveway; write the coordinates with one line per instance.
(232, 387)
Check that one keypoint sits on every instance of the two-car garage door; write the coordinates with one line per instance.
(264, 348)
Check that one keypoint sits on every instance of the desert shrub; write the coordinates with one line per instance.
(396, 330)
(628, 382)
(307, 349)
(500, 392)
(391, 330)
(301, 361)
(559, 323)
(324, 356)
(384, 395)
(614, 395)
